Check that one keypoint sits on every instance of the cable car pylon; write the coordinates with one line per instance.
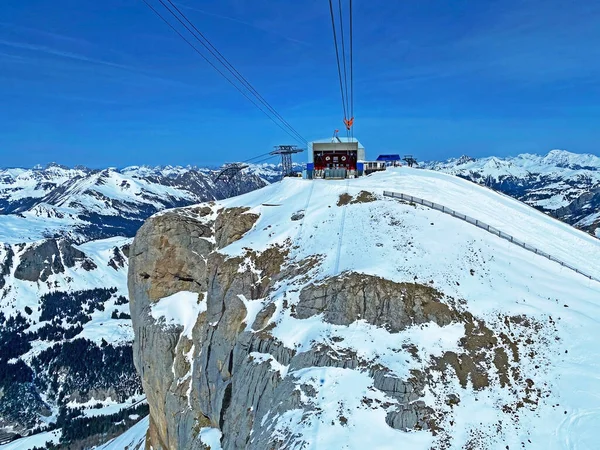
(229, 171)
(286, 152)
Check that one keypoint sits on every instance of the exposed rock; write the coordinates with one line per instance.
(344, 199)
(71, 255)
(299, 215)
(119, 258)
(380, 302)
(6, 264)
(174, 252)
(364, 197)
(41, 260)
(232, 224)
(166, 257)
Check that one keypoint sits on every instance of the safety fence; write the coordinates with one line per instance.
(484, 226)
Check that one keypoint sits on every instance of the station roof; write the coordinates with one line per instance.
(388, 158)
(335, 141)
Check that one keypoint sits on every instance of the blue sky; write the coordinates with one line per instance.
(108, 84)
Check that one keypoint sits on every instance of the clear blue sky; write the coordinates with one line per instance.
(106, 83)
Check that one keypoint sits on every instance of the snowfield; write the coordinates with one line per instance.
(132, 439)
(181, 309)
(490, 277)
(561, 183)
(37, 440)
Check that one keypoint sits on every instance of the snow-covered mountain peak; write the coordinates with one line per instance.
(464, 159)
(561, 183)
(367, 322)
(565, 159)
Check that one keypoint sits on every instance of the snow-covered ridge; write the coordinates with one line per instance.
(85, 204)
(560, 161)
(563, 184)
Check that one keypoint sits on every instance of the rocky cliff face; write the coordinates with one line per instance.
(273, 349)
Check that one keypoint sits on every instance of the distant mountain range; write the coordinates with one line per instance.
(84, 204)
(563, 184)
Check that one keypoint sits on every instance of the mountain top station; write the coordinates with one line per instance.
(343, 157)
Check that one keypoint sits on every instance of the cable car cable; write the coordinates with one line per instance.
(256, 157)
(343, 54)
(230, 67)
(337, 55)
(219, 71)
(351, 67)
(294, 133)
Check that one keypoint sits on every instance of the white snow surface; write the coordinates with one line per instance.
(132, 439)
(37, 440)
(211, 438)
(179, 309)
(490, 276)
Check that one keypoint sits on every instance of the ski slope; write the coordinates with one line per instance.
(493, 278)
(132, 439)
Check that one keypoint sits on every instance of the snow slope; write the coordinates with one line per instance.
(562, 183)
(81, 307)
(38, 440)
(132, 439)
(491, 278)
(506, 214)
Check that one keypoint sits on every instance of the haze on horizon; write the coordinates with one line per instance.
(109, 84)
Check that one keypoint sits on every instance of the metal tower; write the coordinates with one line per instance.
(229, 171)
(410, 160)
(286, 152)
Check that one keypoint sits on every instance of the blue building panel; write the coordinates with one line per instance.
(390, 158)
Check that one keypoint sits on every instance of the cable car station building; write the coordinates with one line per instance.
(337, 157)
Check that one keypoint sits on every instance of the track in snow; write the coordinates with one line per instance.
(336, 266)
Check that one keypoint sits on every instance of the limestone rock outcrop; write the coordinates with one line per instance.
(239, 370)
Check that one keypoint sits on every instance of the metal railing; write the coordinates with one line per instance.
(486, 227)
